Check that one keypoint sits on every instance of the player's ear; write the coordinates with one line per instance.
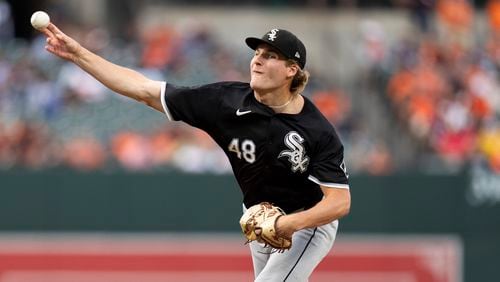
(292, 70)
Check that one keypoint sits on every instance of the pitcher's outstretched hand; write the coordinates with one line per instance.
(60, 44)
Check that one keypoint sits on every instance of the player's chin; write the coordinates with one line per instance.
(256, 84)
(253, 84)
(257, 89)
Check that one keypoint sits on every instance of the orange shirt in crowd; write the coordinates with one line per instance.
(332, 104)
(400, 86)
(493, 12)
(457, 14)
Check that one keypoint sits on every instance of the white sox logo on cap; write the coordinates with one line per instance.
(273, 34)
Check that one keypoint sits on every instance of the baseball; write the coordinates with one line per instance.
(40, 20)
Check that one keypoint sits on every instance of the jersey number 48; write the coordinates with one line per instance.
(246, 150)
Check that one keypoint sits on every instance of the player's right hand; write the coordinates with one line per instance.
(60, 44)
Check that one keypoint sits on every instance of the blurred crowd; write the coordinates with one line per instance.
(442, 86)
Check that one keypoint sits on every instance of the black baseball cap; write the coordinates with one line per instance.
(284, 41)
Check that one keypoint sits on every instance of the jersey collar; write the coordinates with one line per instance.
(250, 103)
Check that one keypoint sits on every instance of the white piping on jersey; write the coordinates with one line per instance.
(328, 184)
(164, 102)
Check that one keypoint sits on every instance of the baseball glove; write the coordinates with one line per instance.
(259, 223)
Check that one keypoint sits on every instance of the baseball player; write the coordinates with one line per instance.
(282, 150)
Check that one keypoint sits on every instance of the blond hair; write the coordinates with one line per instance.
(299, 81)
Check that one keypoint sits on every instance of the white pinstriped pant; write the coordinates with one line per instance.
(309, 247)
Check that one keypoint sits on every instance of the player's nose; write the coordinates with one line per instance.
(257, 60)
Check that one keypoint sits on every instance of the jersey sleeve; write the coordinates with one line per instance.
(197, 106)
(329, 168)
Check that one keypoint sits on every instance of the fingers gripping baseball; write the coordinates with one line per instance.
(60, 44)
(259, 223)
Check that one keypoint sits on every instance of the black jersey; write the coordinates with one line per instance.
(278, 158)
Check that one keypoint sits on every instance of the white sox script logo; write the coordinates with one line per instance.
(272, 34)
(297, 154)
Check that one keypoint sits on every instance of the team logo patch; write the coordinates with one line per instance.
(297, 153)
(273, 34)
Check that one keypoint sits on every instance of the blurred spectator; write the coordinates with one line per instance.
(454, 135)
(6, 24)
(482, 88)
(400, 86)
(160, 47)
(29, 145)
(489, 144)
(372, 50)
(132, 151)
(378, 161)
(455, 14)
(420, 13)
(455, 147)
(79, 86)
(493, 51)
(334, 105)
(198, 153)
(366, 154)
(163, 143)
(493, 13)
(421, 110)
(455, 18)
(6, 156)
(84, 153)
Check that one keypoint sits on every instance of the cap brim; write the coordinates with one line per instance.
(253, 42)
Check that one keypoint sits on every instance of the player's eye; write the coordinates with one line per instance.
(266, 54)
(270, 55)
